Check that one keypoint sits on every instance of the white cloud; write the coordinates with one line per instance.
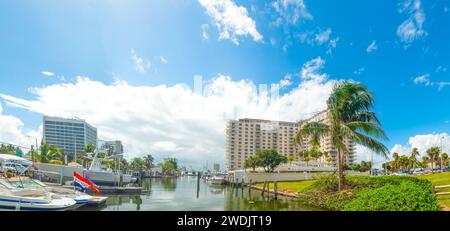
(411, 28)
(425, 80)
(286, 81)
(12, 131)
(205, 28)
(312, 68)
(332, 45)
(290, 11)
(372, 47)
(359, 71)
(163, 59)
(365, 154)
(48, 73)
(422, 143)
(440, 69)
(174, 120)
(323, 36)
(422, 79)
(231, 20)
(139, 63)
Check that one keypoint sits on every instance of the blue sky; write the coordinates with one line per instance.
(399, 49)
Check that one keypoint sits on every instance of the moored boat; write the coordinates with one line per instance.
(12, 198)
(217, 179)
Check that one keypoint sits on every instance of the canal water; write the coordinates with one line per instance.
(183, 193)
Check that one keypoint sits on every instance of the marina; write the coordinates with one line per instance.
(183, 194)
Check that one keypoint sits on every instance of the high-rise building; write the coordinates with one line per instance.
(325, 141)
(246, 136)
(112, 147)
(69, 135)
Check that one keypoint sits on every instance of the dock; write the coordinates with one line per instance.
(106, 190)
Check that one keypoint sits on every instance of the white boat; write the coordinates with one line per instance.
(217, 179)
(79, 197)
(12, 198)
(103, 177)
(192, 174)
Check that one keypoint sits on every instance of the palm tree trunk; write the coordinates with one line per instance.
(340, 170)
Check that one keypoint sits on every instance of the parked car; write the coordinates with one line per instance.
(12, 167)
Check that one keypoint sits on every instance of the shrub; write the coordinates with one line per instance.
(371, 193)
(407, 196)
(57, 162)
(326, 183)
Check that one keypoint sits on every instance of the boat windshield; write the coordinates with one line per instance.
(4, 183)
(26, 184)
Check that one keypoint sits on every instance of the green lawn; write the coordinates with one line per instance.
(440, 179)
(290, 186)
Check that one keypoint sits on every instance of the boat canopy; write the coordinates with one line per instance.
(13, 158)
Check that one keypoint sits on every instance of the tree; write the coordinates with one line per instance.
(413, 158)
(137, 164)
(445, 159)
(252, 162)
(356, 167)
(82, 156)
(148, 159)
(8, 149)
(290, 159)
(48, 153)
(349, 115)
(433, 153)
(270, 159)
(169, 166)
(425, 161)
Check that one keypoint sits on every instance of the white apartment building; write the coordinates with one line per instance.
(245, 136)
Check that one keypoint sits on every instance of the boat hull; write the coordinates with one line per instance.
(23, 204)
(108, 178)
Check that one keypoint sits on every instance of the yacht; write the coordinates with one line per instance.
(106, 177)
(12, 198)
(217, 179)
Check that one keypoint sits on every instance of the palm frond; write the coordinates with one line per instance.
(368, 128)
(314, 130)
(372, 144)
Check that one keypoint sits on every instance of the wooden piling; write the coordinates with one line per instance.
(264, 188)
(275, 188)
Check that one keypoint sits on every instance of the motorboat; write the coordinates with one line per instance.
(12, 198)
(217, 179)
(79, 197)
(106, 177)
(191, 174)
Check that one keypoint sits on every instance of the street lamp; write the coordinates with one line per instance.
(37, 148)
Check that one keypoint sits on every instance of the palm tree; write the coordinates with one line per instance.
(413, 158)
(444, 159)
(148, 159)
(433, 153)
(425, 161)
(395, 163)
(48, 153)
(348, 111)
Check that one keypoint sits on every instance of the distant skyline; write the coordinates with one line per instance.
(129, 68)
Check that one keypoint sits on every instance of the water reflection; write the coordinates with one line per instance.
(185, 194)
(169, 184)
